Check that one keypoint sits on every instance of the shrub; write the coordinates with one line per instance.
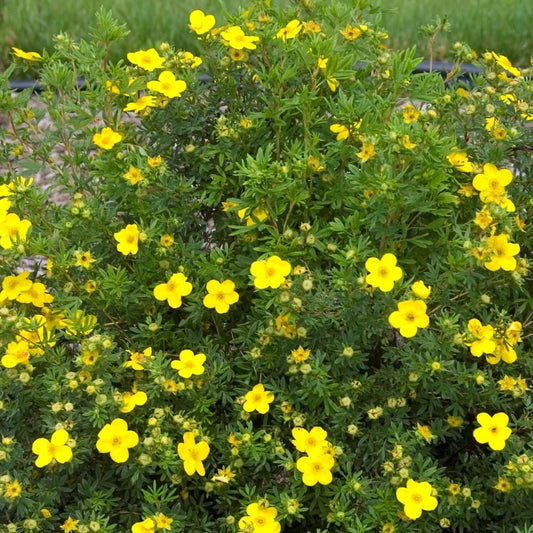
(263, 290)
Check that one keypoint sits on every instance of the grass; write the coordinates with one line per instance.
(503, 26)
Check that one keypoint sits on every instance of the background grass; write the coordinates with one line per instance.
(502, 25)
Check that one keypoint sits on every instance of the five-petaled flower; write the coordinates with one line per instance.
(146, 526)
(290, 31)
(416, 497)
(260, 518)
(138, 359)
(270, 273)
(192, 454)
(141, 104)
(460, 161)
(146, 59)
(201, 23)
(220, 295)
(55, 449)
(410, 316)
(128, 239)
(311, 442)
(189, 364)
(115, 439)
(258, 399)
(29, 56)
(172, 291)
(502, 253)
(167, 84)
(84, 259)
(107, 138)
(235, 38)
(493, 431)
(316, 468)
(383, 272)
(420, 290)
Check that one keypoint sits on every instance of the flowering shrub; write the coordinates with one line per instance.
(261, 290)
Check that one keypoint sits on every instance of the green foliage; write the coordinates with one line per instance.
(317, 178)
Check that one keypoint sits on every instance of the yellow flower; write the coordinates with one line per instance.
(383, 272)
(258, 214)
(311, 27)
(410, 316)
(35, 295)
(146, 526)
(410, 114)
(270, 273)
(503, 485)
(189, 60)
(316, 469)
(141, 104)
(492, 182)
(425, 432)
(138, 359)
(189, 364)
(18, 353)
(133, 175)
(260, 519)
(416, 497)
(12, 286)
(12, 230)
(342, 131)
(506, 64)
(367, 151)
(115, 439)
(201, 23)
(154, 162)
(84, 259)
(69, 525)
(299, 355)
(483, 335)
(460, 161)
(420, 290)
(224, 475)
(501, 253)
(454, 421)
(350, 33)
(221, 295)
(168, 85)
(166, 240)
(507, 383)
(13, 490)
(172, 291)
(107, 138)
(333, 83)
(235, 38)
(493, 430)
(128, 239)
(483, 218)
(406, 142)
(54, 449)
(131, 399)
(258, 399)
(146, 59)
(310, 442)
(29, 56)
(290, 31)
(163, 522)
(192, 454)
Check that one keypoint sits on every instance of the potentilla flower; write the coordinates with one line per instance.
(29, 56)
(12, 286)
(502, 253)
(192, 454)
(342, 131)
(383, 272)
(69, 525)
(168, 85)
(311, 442)
(420, 290)
(146, 59)
(416, 497)
(12, 230)
(483, 218)
(138, 359)
(503, 485)
(258, 399)
(84, 259)
(460, 161)
(163, 522)
(406, 142)
(350, 33)
(290, 31)
(141, 104)
(189, 364)
(492, 182)
(299, 355)
(493, 430)
(35, 295)
(220, 295)
(367, 151)
(154, 162)
(172, 291)
(115, 438)
(425, 432)
(107, 138)
(134, 175)
(316, 469)
(128, 239)
(410, 114)
(13, 489)
(260, 519)
(201, 23)
(18, 353)
(410, 316)
(146, 526)
(270, 273)
(506, 64)
(235, 38)
(130, 400)
(484, 342)
(189, 60)
(502, 352)
(55, 449)
(258, 214)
